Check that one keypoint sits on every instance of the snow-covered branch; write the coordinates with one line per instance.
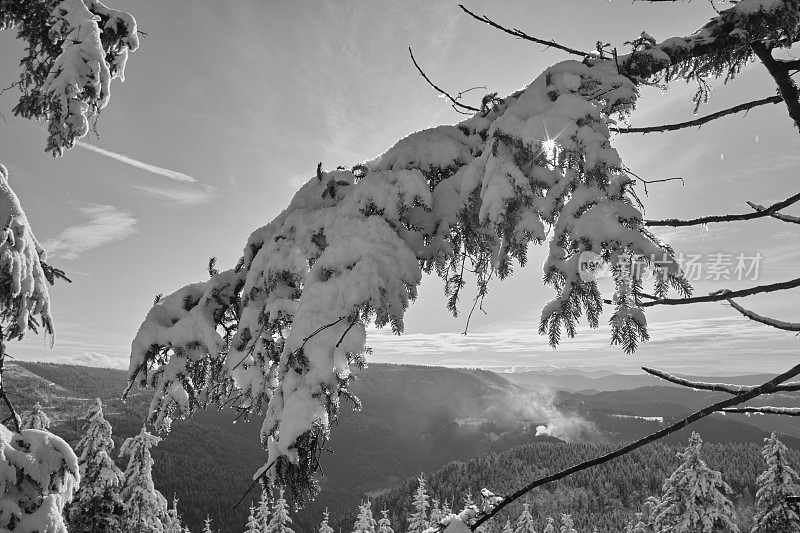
(74, 49)
(759, 213)
(780, 216)
(775, 323)
(702, 120)
(716, 387)
(766, 410)
(764, 388)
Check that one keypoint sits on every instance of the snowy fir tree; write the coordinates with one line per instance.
(418, 519)
(507, 527)
(694, 497)
(550, 526)
(97, 505)
(252, 523)
(280, 521)
(365, 523)
(35, 418)
(566, 524)
(172, 522)
(384, 524)
(145, 507)
(207, 525)
(436, 512)
(324, 527)
(264, 510)
(525, 521)
(74, 48)
(775, 484)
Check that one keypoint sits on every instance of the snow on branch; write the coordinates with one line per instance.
(74, 49)
(716, 387)
(758, 213)
(702, 120)
(780, 216)
(725, 294)
(775, 323)
(766, 410)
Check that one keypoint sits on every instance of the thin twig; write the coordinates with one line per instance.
(522, 35)
(455, 101)
(726, 294)
(780, 216)
(764, 388)
(702, 120)
(774, 208)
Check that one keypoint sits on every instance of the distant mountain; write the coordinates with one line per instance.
(575, 380)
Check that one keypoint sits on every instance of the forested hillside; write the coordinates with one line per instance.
(606, 496)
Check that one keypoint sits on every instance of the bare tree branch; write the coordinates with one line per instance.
(779, 216)
(766, 410)
(740, 398)
(774, 208)
(455, 101)
(522, 35)
(716, 387)
(702, 120)
(725, 294)
(775, 323)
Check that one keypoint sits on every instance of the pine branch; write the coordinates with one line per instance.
(785, 411)
(769, 211)
(780, 73)
(740, 398)
(522, 35)
(702, 120)
(775, 323)
(780, 216)
(716, 387)
(726, 294)
(455, 101)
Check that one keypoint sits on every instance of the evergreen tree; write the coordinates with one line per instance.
(436, 513)
(264, 511)
(207, 525)
(525, 521)
(550, 527)
(97, 505)
(418, 520)
(252, 522)
(775, 484)
(365, 523)
(35, 418)
(384, 524)
(566, 524)
(145, 507)
(324, 527)
(507, 527)
(172, 523)
(279, 523)
(694, 499)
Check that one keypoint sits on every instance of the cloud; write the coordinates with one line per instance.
(180, 195)
(106, 224)
(147, 167)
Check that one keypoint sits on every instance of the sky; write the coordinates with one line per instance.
(228, 106)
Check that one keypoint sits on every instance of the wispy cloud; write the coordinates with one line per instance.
(180, 195)
(106, 224)
(147, 167)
